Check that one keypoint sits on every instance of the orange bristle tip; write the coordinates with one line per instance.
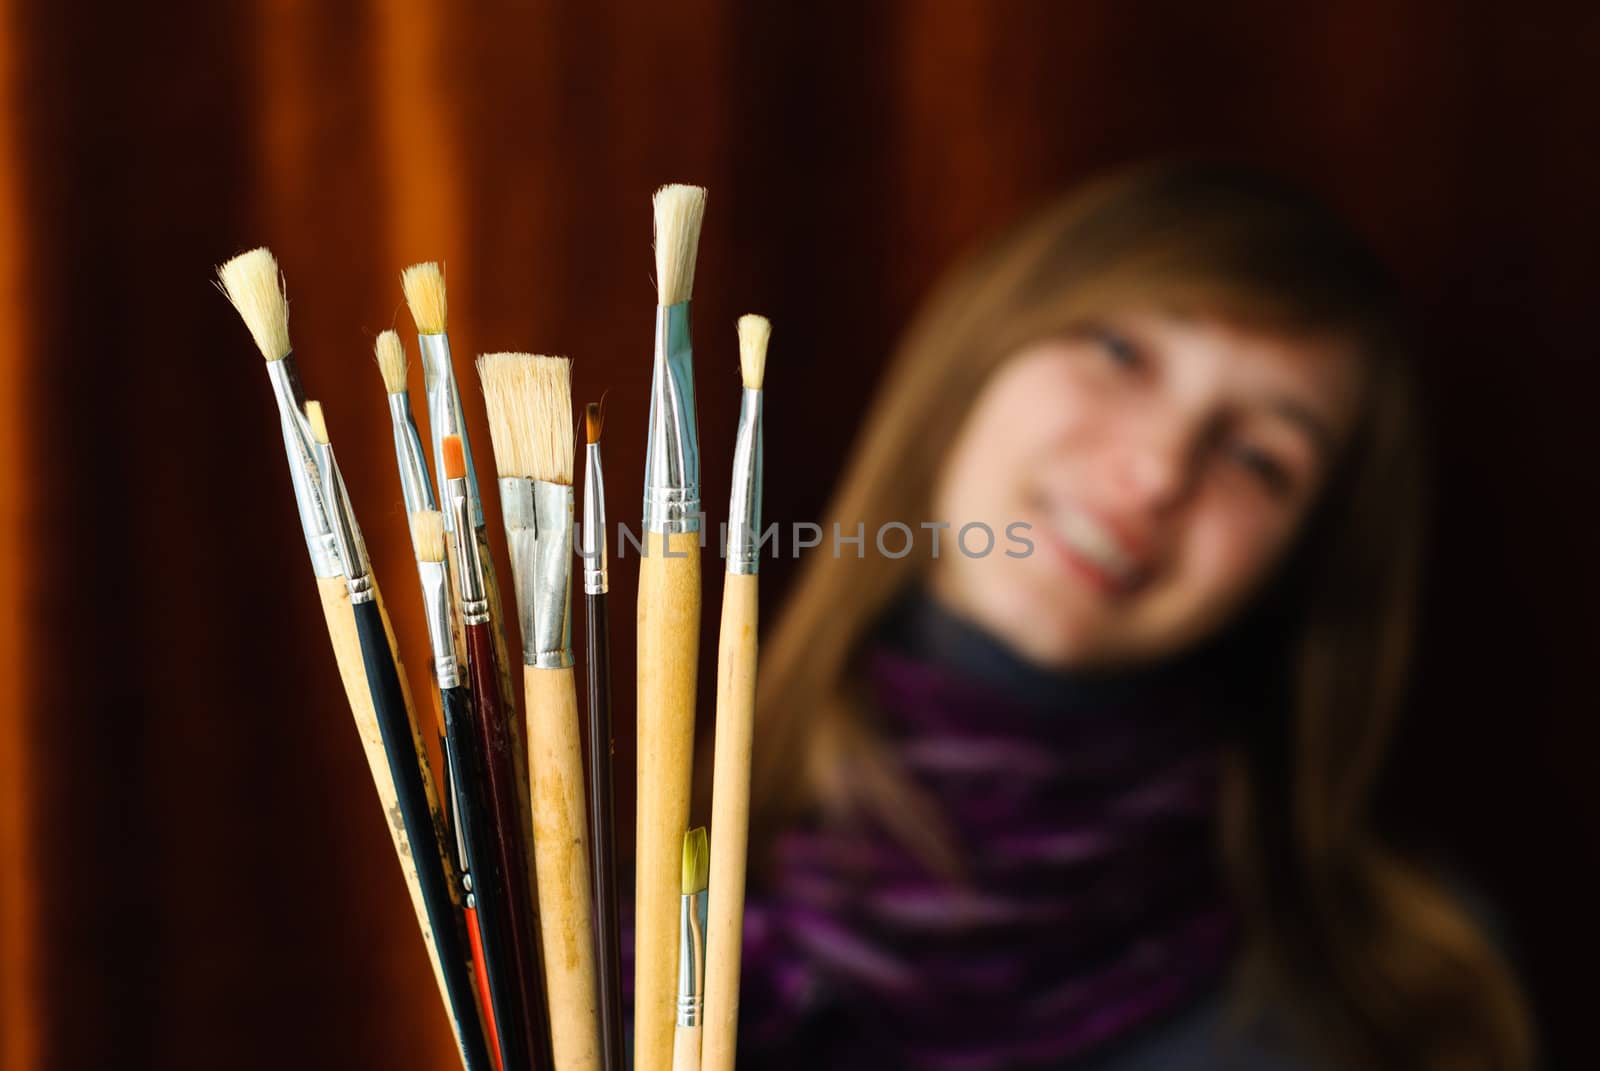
(592, 421)
(455, 458)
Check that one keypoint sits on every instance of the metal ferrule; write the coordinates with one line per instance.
(744, 503)
(304, 474)
(538, 517)
(435, 580)
(469, 567)
(595, 578)
(358, 572)
(672, 452)
(415, 487)
(445, 416)
(691, 958)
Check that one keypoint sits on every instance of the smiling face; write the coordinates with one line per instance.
(1164, 465)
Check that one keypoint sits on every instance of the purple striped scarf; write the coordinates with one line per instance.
(1093, 904)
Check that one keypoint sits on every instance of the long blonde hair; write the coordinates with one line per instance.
(1388, 969)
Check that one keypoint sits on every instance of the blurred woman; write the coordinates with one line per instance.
(1081, 778)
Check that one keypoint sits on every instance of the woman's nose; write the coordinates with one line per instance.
(1152, 467)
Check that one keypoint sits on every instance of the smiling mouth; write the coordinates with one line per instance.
(1094, 551)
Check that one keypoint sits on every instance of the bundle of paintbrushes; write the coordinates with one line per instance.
(508, 852)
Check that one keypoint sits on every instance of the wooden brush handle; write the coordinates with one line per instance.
(496, 947)
(603, 834)
(566, 918)
(686, 1044)
(494, 745)
(336, 611)
(668, 646)
(730, 818)
(398, 730)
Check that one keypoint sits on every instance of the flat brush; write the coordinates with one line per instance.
(488, 922)
(736, 704)
(602, 792)
(530, 426)
(399, 745)
(686, 1039)
(668, 625)
(253, 284)
(494, 745)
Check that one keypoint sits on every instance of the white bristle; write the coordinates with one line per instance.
(425, 297)
(679, 211)
(754, 332)
(529, 399)
(427, 535)
(392, 361)
(254, 285)
(319, 426)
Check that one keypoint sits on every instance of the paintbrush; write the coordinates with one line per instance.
(530, 426)
(494, 744)
(489, 925)
(416, 491)
(691, 952)
(668, 624)
(428, 301)
(400, 741)
(253, 284)
(602, 793)
(736, 703)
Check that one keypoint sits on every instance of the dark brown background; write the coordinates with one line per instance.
(192, 871)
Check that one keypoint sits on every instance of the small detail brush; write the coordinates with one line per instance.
(253, 284)
(736, 698)
(602, 792)
(488, 924)
(668, 623)
(494, 744)
(691, 952)
(530, 426)
(416, 490)
(400, 747)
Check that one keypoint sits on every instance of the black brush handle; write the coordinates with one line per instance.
(473, 813)
(603, 835)
(394, 725)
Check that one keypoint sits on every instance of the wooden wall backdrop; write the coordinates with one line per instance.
(193, 871)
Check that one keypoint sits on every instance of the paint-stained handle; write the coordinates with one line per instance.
(561, 860)
(399, 745)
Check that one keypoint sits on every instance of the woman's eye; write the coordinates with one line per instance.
(1268, 470)
(1117, 348)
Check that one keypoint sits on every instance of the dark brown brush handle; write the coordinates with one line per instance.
(603, 836)
(472, 808)
(511, 855)
(394, 725)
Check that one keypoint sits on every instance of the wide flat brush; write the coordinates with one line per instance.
(668, 626)
(736, 704)
(602, 791)
(253, 284)
(494, 745)
(398, 730)
(530, 425)
(489, 924)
